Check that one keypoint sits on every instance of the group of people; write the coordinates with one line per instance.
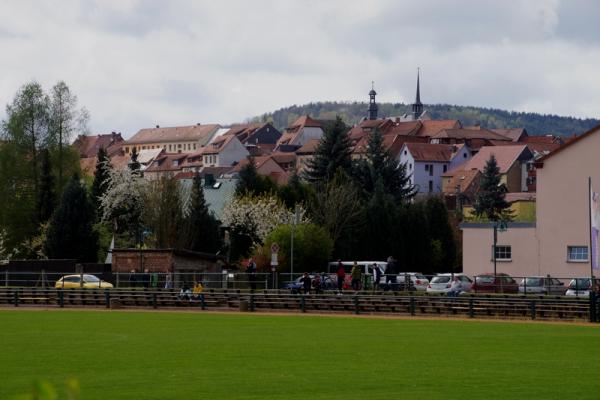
(192, 294)
(356, 274)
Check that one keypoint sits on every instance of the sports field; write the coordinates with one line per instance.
(189, 355)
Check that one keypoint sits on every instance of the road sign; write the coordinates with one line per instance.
(274, 248)
(274, 259)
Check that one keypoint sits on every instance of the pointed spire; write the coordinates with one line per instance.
(372, 110)
(417, 107)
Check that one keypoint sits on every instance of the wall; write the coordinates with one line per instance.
(562, 209)
(307, 134)
(232, 153)
(478, 239)
(512, 178)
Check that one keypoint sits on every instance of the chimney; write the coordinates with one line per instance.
(198, 124)
(157, 126)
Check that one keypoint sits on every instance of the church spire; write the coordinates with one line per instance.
(417, 107)
(372, 111)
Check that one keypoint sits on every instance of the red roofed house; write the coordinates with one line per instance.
(224, 151)
(473, 138)
(512, 162)
(258, 133)
(266, 166)
(179, 139)
(166, 164)
(88, 146)
(301, 131)
(427, 162)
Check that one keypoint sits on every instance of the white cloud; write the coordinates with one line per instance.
(135, 64)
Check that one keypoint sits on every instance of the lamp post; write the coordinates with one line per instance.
(295, 219)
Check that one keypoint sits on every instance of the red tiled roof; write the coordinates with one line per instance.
(290, 133)
(174, 134)
(283, 158)
(431, 127)
(391, 142)
(547, 139)
(88, 146)
(519, 196)
(166, 162)
(505, 157)
(307, 121)
(514, 134)
(570, 141)
(431, 152)
(462, 178)
(405, 128)
(218, 145)
(470, 134)
(309, 147)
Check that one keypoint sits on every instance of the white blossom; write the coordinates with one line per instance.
(123, 199)
(259, 214)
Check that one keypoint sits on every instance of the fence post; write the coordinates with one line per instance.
(412, 305)
(355, 304)
(302, 304)
(532, 308)
(154, 303)
(592, 306)
(251, 301)
(61, 298)
(6, 278)
(107, 298)
(471, 311)
(16, 294)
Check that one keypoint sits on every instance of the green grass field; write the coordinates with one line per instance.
(161, 355)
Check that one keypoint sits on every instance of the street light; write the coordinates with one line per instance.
(295, 220)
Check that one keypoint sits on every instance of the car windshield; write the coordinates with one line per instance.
(484, 279)
(533, 281)
(440, 279)
(420, 276)
(90, 278)
(580, 283)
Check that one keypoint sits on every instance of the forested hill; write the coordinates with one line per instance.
(536, 124)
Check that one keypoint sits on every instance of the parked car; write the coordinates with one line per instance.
(75, 282)
(501, 283)
(326, 283)
(417, 279)
(580, 287)
(541, 285)
(441, 283)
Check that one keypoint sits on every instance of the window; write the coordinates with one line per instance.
(503, 253)
(410, 167)
(194, 146)
(430, 186)
(430, 169)
(179, 146)
(577, 253)
(170, 147)
(426, 167)
(464, 155)
(405, 152)
(445, 168)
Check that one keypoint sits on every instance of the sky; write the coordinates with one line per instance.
(136, 64)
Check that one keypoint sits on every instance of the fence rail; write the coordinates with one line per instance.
(396, 303)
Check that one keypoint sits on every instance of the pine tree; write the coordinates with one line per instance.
(489, 201)
(134, 164)
(379, 164)
(332, 154)
(441, 231)
(250, 182)
(46, 196)
(70, 232)
(202, 228)
(295, 192)
(101, 177)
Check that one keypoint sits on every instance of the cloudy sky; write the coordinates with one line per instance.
(136, 64)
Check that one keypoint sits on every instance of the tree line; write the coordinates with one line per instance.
(353, 112)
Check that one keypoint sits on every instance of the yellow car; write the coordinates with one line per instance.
(74, 282)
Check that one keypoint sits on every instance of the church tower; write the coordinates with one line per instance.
(372, 111)
(417, 107)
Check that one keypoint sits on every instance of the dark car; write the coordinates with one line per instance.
(325, 282)
(501, 283)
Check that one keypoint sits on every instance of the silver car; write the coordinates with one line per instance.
(441, 283)
(419, 281)
(580, 287)
(542, 285)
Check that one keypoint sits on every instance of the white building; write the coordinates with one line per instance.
(426, 163)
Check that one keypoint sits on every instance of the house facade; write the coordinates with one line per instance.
(426, 163)
(225, 151)
(179, 139)
(558, 242)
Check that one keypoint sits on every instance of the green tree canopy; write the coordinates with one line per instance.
(201, 227)
(332, 154)
(489, 201)
(70, 232)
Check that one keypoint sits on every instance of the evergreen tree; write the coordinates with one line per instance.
(251, 183)
(416, 255)
(489, 201)
(332, 154)
(70, 232)
(295, 192)
(441, 232)
(46, 197)
(101, 177)
(202, 228)
(134, 165)
(379, 164)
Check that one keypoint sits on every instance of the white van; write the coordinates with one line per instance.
(366, 269)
